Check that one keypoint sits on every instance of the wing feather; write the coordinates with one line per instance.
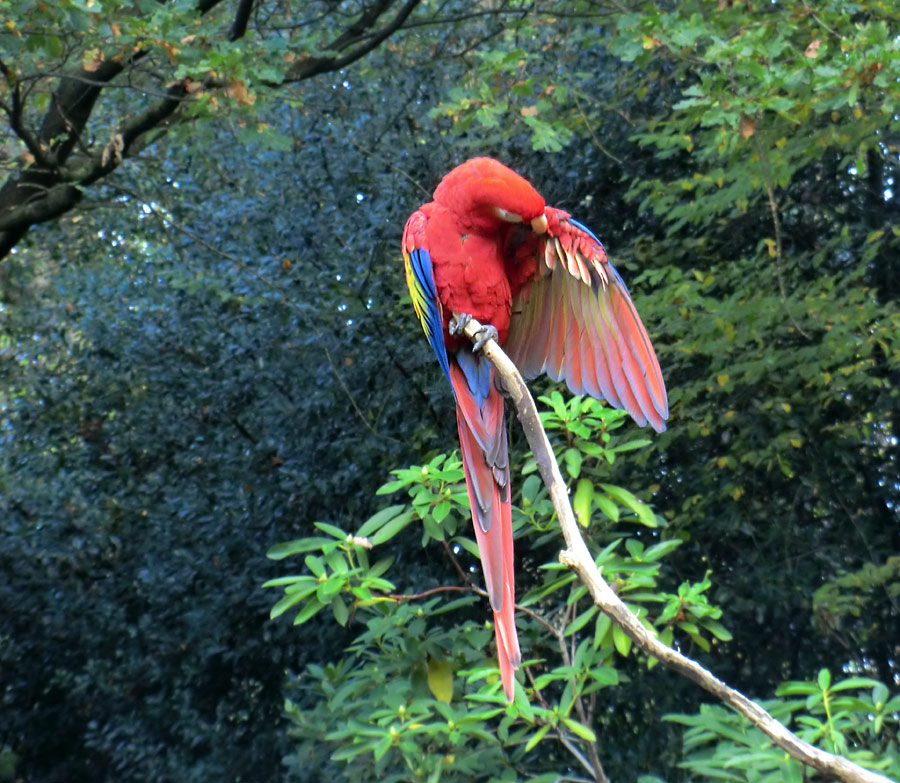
(420, 281)
(577, 322)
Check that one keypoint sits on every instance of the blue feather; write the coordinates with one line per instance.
(432, 319)
(586, 230)
(477, 370)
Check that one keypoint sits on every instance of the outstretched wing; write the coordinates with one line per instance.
(420, 281)
(577, 322)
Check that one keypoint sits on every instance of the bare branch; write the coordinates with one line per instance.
(71, 107)
(207, 5)
(314, 66)
(577, 557)
(366, 20)
(776, 222)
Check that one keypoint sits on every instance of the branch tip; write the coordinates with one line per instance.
(577, 557)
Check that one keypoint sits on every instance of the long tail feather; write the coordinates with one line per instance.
(485, 457)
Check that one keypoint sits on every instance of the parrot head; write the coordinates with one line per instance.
(485, 194)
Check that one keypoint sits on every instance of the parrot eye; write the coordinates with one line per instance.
(509, 217)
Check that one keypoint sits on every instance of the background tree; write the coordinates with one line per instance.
(201, 356)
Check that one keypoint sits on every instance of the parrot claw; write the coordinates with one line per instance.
(458, 325)
(486, 333)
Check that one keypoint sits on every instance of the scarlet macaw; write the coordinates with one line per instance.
(488, 247)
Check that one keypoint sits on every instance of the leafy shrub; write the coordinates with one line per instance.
(417, 693)
(857, 718)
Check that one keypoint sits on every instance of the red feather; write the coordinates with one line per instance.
(488, 246)
(482, 439)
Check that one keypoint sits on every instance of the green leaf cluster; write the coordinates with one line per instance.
(408, 700)
(856, 717)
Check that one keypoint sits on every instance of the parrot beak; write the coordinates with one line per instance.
(539, 224)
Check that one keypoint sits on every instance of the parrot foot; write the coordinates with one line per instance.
(487, 332)
(458, 323)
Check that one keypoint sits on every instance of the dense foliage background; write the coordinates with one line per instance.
(206, 347)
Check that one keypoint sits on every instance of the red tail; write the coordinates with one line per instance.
(485, 457)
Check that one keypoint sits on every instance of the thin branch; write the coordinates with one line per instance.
(313, 66)
(590, 128)
(815, 16)
(434, 591)
(356, 31)
(577, 557)
(42, 154)
(579, 756)
(776, 220)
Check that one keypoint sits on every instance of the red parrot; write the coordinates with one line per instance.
(489, 248)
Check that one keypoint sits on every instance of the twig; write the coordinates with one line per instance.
(433, 591)
(587, 124)
(779, 244)
(389, 164)
(815, 16)
(577, 557)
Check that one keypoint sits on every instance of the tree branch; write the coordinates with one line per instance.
(355, 31)
(241, 18)
(41, 153)
(577, 557)
(52, 203)
(314, 66)
(45, 188)
(131, 131)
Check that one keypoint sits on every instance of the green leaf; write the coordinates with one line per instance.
(581, 501)
(855, 683)
(290, 600)
(717, 629)
(378, 519)
(626, 498)
(609, 508)
(332, 530)
(581, 730)
(339, 608)
(660, 550)
(604, 675)
(572, 460)
(604, 623)
(621, 641)
(288, 548)
(312, 607)
(390, 528)
(796, 688)
(440, 679)
(440, 511)
(315, 564)
(581, 620)
(537, 737)
(383, 746)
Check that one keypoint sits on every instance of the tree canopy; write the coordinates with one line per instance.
(207, 350)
